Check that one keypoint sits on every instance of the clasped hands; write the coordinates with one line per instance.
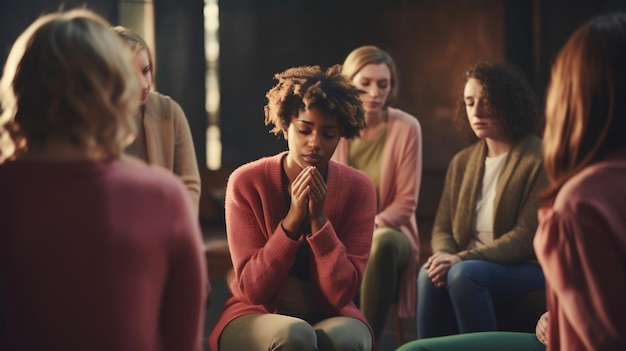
(438, 266)
(308, 194)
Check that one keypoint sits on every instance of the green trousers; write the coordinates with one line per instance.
(388, 257)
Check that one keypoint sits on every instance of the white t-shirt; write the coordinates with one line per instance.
(485, 202)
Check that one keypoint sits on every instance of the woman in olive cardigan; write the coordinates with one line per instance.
(487, 216)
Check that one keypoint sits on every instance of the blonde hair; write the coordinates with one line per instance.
(369, 54)
(67, 77)
(586, 100)
(135, 43)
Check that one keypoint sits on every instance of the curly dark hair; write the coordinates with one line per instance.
(306, 87)
(509, 96)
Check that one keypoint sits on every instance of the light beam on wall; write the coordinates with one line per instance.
(212, 54)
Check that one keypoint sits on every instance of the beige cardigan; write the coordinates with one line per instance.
(516, 204)
(169, 142)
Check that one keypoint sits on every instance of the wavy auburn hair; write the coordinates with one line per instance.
(586, 100)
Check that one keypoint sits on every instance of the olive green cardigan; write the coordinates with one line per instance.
(516, 204)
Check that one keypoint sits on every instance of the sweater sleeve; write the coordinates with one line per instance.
(185, 163)
(442, 239)
(586, 273)
(340, 252)
(261, 256)
(408, 167)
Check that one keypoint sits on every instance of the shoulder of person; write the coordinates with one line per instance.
(402, 118)
(596, 182)
(149, 176)
(158, 103)
(530, 149)
(531, 143)
(350, 176)
(255, 170)
(156, 99)
(463, 156)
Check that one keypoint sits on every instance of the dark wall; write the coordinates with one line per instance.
(179, 36)
(16, 15)
(558, 19)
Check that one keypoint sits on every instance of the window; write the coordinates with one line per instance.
(212, 54)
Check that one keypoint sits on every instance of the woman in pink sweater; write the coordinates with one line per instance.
(97, 252)
(389, 151)
(581, 239)
(300, 226)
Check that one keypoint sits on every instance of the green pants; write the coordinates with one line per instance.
(388, 257)
(483, 341)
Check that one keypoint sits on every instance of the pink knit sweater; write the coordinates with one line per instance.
(99, 256)
(400, 178)
(262, 254)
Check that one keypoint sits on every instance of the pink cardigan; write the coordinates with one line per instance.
(581, 245)
(400, 179)
(262, 254)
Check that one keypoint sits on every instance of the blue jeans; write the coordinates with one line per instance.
(465, 304)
